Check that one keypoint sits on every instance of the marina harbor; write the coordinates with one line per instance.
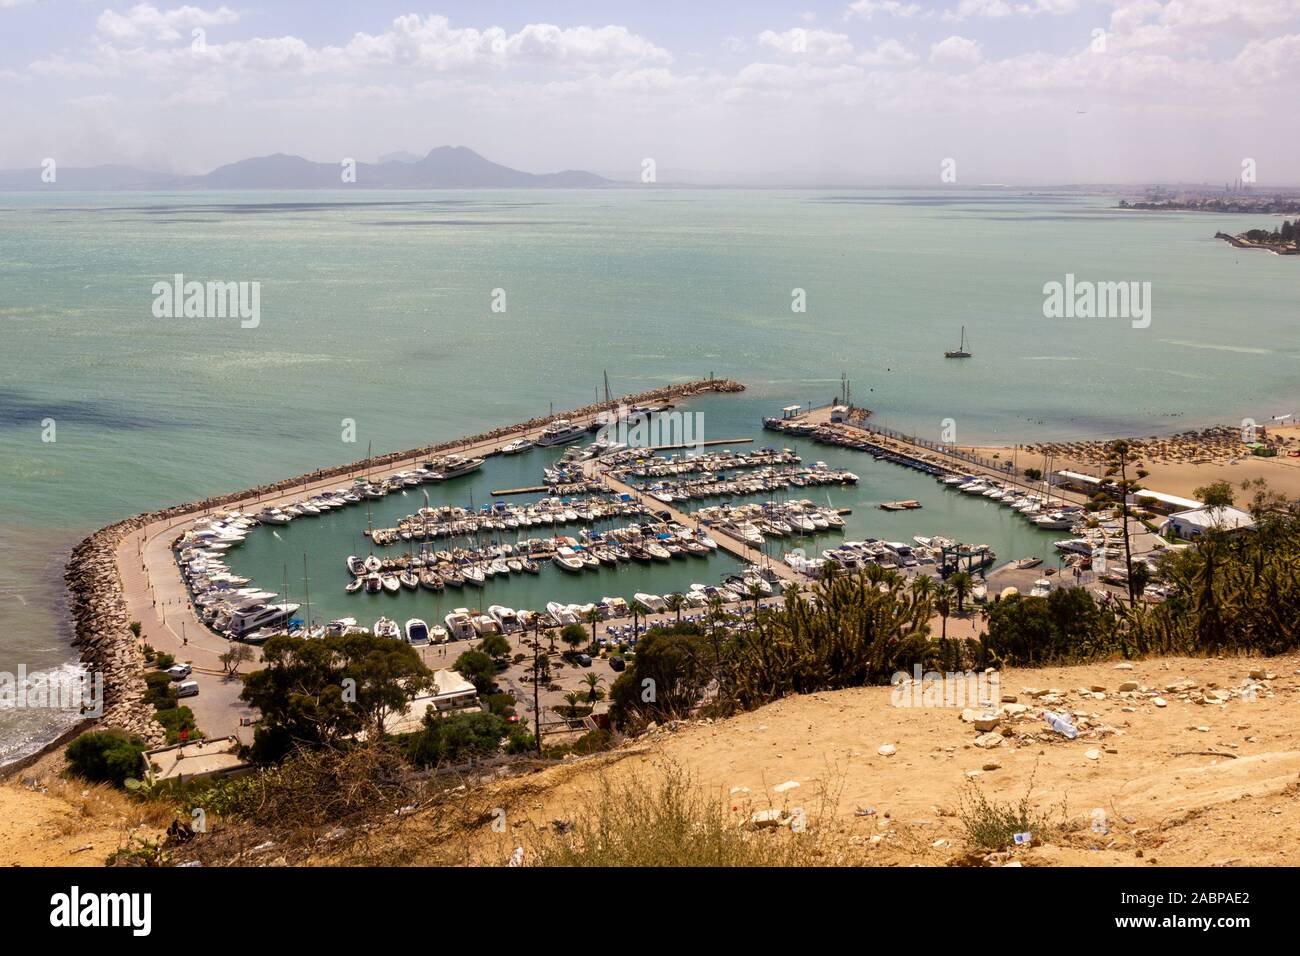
(636, 536)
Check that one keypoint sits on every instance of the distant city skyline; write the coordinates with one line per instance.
(966, 92)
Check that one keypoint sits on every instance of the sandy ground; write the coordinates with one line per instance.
(1154, 795)
(48, 820)
(1177, 467)
(1197, 782)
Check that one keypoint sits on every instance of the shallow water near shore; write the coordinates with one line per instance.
(375, 307)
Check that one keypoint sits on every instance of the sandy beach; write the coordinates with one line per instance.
(1179, 464)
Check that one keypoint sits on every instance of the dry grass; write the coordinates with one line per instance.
(991, 825)
(668, 819)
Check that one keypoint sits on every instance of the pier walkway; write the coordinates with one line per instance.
(733, 546)
(156, 596)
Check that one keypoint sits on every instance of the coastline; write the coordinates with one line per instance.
(1240, 243)
(97, 594)
(98, 598)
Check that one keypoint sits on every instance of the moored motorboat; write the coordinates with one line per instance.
(417, 632)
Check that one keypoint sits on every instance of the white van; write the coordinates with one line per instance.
(179, 671)
(189, 688)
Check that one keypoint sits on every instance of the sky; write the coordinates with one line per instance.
(1022, 92)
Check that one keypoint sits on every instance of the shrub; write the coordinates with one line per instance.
(176, 718)
(105, 756)
(993, 826)
(455, 738)
(159, 690)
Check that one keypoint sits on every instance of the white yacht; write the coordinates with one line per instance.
(653, 602)
(516, 446)
(505, 617)
(384, 627)
(459, 626)
(561, 613)
(245, 620)
(452, 466)
(560, 432)
(417, 632)
(568, 559)
(341, 626)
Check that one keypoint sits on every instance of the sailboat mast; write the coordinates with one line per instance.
(306, 590)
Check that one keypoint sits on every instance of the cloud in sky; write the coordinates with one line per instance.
(1178, 89)
(956, 50)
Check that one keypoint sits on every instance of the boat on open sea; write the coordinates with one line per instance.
(960, 350)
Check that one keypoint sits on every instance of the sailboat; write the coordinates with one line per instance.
(960, 351)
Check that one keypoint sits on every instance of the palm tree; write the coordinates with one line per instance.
(962, 584)
(676, 602)
(943, 595)
(755, 594)
(573, 699)
(593, 682)
(1121, 460)
(593, 618)
(716, 614)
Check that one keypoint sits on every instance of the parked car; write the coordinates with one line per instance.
(617, 663)
(189, 688)
(584, 660)
(179, 671)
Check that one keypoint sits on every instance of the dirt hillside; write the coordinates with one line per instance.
(1200, 766)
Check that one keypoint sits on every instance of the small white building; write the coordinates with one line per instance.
(1189, 524)
(194, 759)
(840, 413)
(1162, 503)
(451, 694)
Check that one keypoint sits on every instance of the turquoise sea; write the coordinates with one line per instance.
(377, 307)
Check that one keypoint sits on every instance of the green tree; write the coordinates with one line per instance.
(478, 668)
(1125, 471)
(233, 656)
(574, 636)
(962, 585)
(943, 598)
(106, 756)
(496, 647)
(593, 682)
(666, 678)
(455, 738)
(676, 602)
(573, 699)
(316, 692)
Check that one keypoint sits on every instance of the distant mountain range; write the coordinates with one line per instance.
(446, 167)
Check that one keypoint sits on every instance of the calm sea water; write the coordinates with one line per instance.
(376, 307)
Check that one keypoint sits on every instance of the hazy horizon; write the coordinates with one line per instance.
(1025, 93)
